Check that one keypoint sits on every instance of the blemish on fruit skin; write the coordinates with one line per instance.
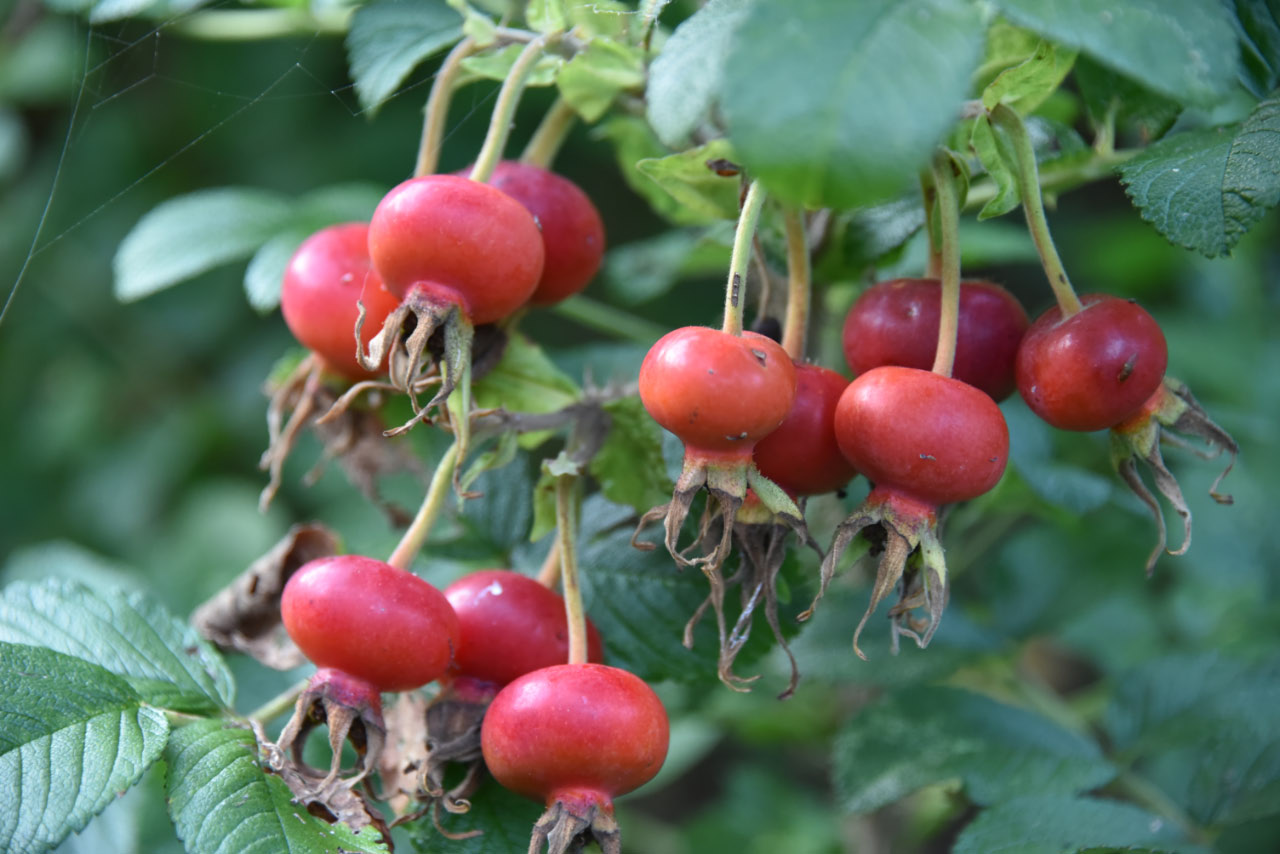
(1127, 369)
(928, 457)
(738, 437)
(761, 357)
(494, 589)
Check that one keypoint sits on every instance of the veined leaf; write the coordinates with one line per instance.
(390, 38)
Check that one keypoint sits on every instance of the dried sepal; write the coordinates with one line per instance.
(1171, 416)
(569, 825)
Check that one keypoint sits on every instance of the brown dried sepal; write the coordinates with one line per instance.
(1172, 415)
(245, 615)
(352, 436)
(569, 824)
(900, 528)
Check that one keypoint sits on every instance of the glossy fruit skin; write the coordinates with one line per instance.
(574, 728)
(325, 278)
(802, 455)
(1095, 368)
(896, 323)
(510, 625)
(464, 241)
(719, 393)
(572, 231)
(930, 437)
(371, 620)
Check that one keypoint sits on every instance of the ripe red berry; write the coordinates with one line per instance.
(461, 242)
(802, 455)
(325, 278)
(896, 323)
(371, 620)
(510, 625)
(579, 733)
(719, 393)
(1093, 369)
(572, 232)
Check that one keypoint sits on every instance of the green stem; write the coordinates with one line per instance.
(504, 110)
(933, 266)
(609, 320)
(741, 258)
(550, 135)
(648, 18)
(459, 408)
(567, 539)
(279, 704)
(1033, 206)
(799, 284)
(1056, 177)
(437, 110)
(432, 503)
(944, 184)
(549, 574)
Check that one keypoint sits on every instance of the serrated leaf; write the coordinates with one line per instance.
(1054, 824)
(499, 519)
(390, 38)
(72, 737)
(629, 465)
(1185, 49)
(697, 187)
(597, 75)
(505, 818)
(191, 234)
(525, 380)
(496, 65)
(128, 634)
(223, 802)
(264, 276)
(926, 735)
(547, 16)
(1206, 727)
(804, 92)
(685, 79)
(1204, 190)
(1026, 85)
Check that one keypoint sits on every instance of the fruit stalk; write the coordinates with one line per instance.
(543, 146)
(944, 184)
(741, 258)
(504, 110)
(1033, 205)
(407, 549)
(567, 540)
(799, 281)
(933, 266)
(438, 107)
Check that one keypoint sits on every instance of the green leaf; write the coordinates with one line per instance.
(547, 16)
(223, 802)
(506, 818)
(499, 519)
(1006, 47)
(637, 272)
(525, 380)
(1103, 91)
(927, 735)
(1204, 728)
(1258, 26)
(72, 738)
(1054, 824)
(608, 18)
(264, 276)
(1026, 85)
(390, 38)
(695, 185)
(496, 65)
(992, 151)
(597, 75)
(633, 140)
(128, 634)
(192, 234)
(1204, 190)
(685, 79)
(629, 464)
(1185, 49)
(862, 237)
(846, 109)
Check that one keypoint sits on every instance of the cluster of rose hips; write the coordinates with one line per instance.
(443, 254)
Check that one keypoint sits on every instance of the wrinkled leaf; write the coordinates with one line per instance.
(1026, 85)
(629, 466)
(597, 75)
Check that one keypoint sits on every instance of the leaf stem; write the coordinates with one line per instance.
(1033, 206)
(504, 110)
(567, 539)
(437, 110)
(944, 184)
(550, 135)
(1056, 177)
(741, 258)
(279, 704)
(799, 284)
(609, 320)
(432, 503)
